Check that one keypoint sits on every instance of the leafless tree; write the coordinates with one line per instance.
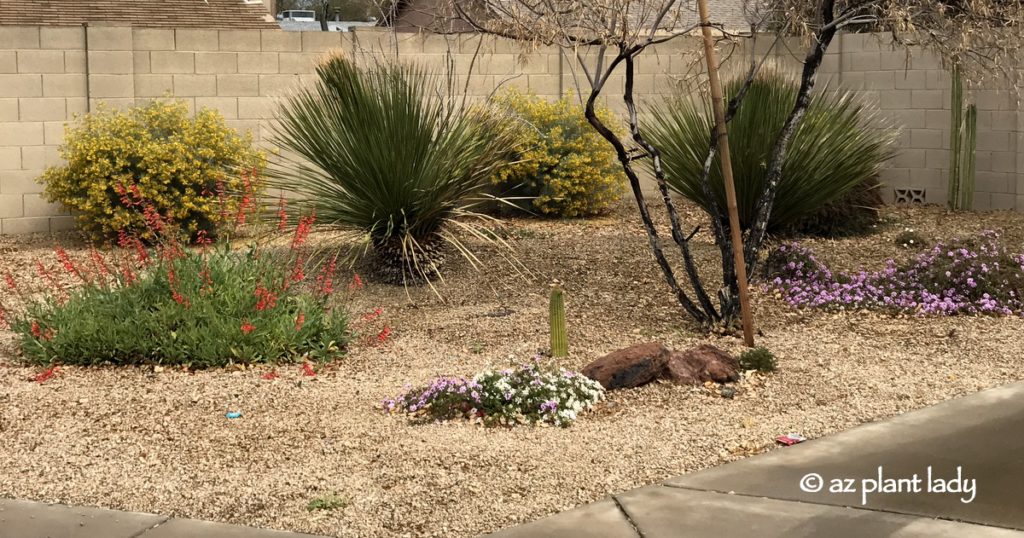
(607, 36)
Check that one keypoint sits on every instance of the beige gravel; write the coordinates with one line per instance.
(150, 441)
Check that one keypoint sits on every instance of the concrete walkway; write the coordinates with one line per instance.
(26, 519)
(825, 487)
(982, 435)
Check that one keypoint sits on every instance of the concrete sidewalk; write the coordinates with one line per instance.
(26, 519)
(787, 491)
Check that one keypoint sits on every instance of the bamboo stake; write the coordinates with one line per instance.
(718, 104)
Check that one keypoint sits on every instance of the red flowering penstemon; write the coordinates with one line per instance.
(169, 301)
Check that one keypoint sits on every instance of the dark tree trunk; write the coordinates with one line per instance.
(696, 312)
(822, 40)
(325, 8)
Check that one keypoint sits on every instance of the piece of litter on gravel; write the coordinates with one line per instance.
(790, 439)
(233, 414)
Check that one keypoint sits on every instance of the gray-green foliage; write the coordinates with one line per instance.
(836, 147)
(377, 152)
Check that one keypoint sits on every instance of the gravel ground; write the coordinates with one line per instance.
(158, 441)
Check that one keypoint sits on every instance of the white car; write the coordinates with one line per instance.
(297, 15)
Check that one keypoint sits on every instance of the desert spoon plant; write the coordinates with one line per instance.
(559, 338)
(377, 153)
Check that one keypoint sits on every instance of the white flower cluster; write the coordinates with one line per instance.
(533, 394)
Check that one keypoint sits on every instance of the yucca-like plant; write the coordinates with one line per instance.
(839, 144)
(377, 152)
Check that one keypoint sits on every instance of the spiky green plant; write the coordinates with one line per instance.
(556, 314)
(836, 147)
(377, 152)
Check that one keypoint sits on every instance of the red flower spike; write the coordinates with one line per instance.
(99, 262)
(11, 285)
(282, 215)
(48, 276)
(270, 376)
(39, 333)
(267, 298)
(370, 316)
(298, 273)
(307, 370)
(383, 335)
(299, 321)
(180, 299)
(302, 230)
(140, 251)
(127, 274)
(325, 280)
(203, 239)
(357, 282)
(247, 327)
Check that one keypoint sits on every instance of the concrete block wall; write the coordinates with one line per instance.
(913, 92)
(241, 73)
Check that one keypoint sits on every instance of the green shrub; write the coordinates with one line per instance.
(759, 359)
(183, 166)
(201, 307)
(564, 168)
(854, 213)
(836, 147)
(375, 152)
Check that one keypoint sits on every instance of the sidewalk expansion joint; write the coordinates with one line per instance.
(147, 529)
(861, 508)
(629, 518)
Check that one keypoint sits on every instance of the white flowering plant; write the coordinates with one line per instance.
(532, 393)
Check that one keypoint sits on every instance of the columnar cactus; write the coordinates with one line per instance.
(559, 339)
(963, 136)
(970, 144)
(956, 118)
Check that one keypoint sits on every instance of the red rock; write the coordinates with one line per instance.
(701, 364)
(630, 367)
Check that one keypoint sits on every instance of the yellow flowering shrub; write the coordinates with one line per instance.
(563, 164)
(185, 167)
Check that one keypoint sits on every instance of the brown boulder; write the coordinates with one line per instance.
(701, 364)
(630, 367)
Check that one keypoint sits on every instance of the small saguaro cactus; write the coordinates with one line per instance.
(559, 339)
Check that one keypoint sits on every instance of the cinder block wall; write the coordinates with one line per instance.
(913, 92)
(43, 84)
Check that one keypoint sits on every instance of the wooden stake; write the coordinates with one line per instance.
(718, 104)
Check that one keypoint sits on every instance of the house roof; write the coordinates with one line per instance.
(230, 14)
(439, 15)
